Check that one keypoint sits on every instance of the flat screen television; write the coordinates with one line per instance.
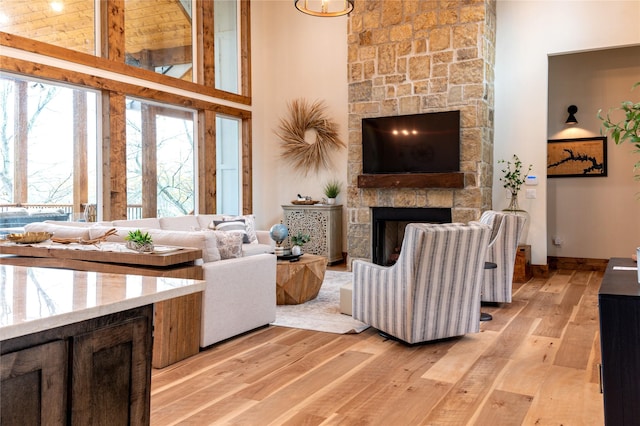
(418, 143)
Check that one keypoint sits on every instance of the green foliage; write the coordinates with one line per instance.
(627, 129)
(332, 188)
(138, 237)
(513, 179)
(300, 239)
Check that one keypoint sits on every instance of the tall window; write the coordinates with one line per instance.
(160, 160)
(228, 181)
(225, 27)
(48, 141)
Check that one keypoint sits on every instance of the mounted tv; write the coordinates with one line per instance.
(418, 143)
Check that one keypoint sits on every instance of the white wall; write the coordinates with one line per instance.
(527, 33)
(595, 217)
(293, 56)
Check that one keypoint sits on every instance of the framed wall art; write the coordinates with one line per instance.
(581, 157)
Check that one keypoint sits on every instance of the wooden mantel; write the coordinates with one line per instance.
(412, 180)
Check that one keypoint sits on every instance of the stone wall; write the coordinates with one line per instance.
(418, 56)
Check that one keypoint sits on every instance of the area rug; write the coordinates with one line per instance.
(323, 312)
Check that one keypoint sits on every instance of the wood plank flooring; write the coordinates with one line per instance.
(536, 363)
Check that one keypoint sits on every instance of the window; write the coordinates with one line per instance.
(158, 36)
(160, 160)
(225, 27)
(228, 184)
(48, 141)
(58, 22)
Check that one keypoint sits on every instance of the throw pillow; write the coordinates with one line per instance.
(236, 226)
(229, 244)
(250, 221)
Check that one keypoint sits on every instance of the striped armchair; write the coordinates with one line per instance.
(506, 229)
(433, 291)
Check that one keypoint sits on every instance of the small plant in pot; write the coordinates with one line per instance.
(139, 241)
(332, 190)
(297, 242)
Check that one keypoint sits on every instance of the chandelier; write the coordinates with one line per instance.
(324, 8)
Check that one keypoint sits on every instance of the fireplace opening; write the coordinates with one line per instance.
(389, 223)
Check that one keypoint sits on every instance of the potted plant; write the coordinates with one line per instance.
(331, 190)
(138, 241)
(297, 242)
(627, 129)
(513, 179)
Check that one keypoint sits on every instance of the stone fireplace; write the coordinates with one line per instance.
(410, 57)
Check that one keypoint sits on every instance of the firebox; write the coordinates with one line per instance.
(388, 224)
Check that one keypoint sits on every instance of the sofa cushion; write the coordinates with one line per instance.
(150, 222)
(250, 222)
(237, 226)
(180, 223)
(59, 231)
(253, 249)
(229, 244)
(204, 240)
(97, 231)
(204, 220)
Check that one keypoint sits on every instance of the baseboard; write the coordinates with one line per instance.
(577, 263)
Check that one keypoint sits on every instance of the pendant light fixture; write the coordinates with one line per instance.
(324, 8)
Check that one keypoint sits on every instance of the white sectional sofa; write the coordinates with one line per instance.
(241, 292)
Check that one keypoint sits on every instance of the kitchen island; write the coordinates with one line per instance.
(76, 347)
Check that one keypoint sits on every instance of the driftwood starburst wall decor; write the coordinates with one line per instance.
(303, 155)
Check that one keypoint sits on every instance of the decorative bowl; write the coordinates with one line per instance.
(304, 202)
(29, 237)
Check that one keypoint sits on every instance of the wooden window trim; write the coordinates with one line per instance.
(49, 50)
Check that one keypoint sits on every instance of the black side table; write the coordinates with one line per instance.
(483, 315)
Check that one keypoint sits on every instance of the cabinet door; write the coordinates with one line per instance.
(33, 385)
(111, 375)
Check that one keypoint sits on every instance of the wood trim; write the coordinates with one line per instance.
(207, 162)
(48, 72)
(245, 46)
(114, 172)
(247, 170)
(206, 45)
(577, 263)
(149, 161)
(412, 180)
(28, 45)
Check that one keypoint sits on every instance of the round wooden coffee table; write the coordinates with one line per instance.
(300, 281)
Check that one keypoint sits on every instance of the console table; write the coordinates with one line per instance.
(323, 223)
(619, 304)
(176, 322)
(75, 347)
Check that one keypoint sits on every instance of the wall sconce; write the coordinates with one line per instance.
(572, 118)
(324, 8)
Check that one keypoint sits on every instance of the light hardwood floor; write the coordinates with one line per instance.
(536, 363)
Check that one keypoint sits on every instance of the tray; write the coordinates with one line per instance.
(29, 237)
(305, 202)
(290, 256)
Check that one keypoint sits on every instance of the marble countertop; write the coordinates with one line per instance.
(37, 299)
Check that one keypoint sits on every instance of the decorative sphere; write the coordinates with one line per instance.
(279, 232)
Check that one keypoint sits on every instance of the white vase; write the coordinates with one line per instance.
(331, 201)
(296, 250)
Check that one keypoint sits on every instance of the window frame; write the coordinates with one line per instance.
(116, 81)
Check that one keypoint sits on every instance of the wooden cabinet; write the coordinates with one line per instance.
(522, 267)
(619, 304)
(322, 223)
(95, 372)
